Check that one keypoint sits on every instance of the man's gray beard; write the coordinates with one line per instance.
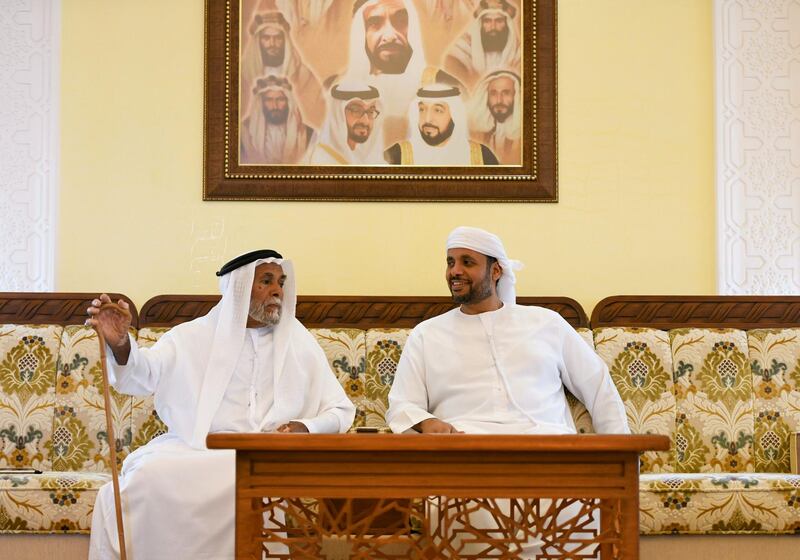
(260, 312)
(477, 292)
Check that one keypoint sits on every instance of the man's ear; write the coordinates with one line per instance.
(497, 271)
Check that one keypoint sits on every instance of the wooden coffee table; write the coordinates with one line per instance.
(417, 496)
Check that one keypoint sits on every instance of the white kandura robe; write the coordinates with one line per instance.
(178, 501)
(502, 371)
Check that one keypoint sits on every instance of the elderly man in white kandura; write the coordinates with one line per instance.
(246, 366)
(491, 366)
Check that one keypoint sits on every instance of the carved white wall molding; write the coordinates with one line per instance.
(758, 146)
(30, 45)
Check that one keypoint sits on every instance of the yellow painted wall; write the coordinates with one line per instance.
(636, 209)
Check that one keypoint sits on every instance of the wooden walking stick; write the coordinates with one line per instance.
(112, 442)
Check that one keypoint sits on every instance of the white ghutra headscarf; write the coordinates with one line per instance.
(476, 239)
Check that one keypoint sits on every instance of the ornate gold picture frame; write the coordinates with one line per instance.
(380, 100)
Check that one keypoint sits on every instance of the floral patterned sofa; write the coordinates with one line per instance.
(719, 375)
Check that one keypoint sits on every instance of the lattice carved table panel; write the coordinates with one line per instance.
(437, 527)
(419, 496)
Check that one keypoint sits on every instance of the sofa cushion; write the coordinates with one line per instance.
(346, 350)
(719, 503)
(384, 347)
(80, 440)
(640, 363)
(714, 393)
(145, 423)
(28, 356)
(52, 502)
(775, 362)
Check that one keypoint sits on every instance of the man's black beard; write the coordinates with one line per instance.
(477, 292)
(394, 66)
(501, 117)
(357, 139)
(441, 137)
(272, 61)
(276, 116)
(494, 41)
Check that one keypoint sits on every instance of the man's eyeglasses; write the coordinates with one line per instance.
(359, 112)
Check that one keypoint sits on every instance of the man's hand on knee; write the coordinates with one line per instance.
(436, 426)
(292, 427)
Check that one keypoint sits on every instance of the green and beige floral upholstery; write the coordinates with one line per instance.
(714, 391)
(728, 400)
(346, 350)
(775, 363)
(722, 503)
(52, 419)
(640, 363)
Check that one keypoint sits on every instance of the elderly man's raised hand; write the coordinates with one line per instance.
(436, 426)
(112, 320)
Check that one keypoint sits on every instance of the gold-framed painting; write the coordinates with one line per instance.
(415, 100)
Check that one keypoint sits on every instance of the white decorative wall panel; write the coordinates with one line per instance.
(30, 44)
(758, 146)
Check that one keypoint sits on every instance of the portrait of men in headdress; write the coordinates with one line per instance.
(268, 49)
(352, 132)
(386, 51)
(490, 43)
(441, 135)
(495, 115)
(273, 131)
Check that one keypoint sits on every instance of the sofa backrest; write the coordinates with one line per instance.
(727, 398)
(734, 362)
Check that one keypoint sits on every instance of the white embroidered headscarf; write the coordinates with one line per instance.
(476, 239)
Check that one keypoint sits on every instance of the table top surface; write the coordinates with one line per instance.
(438, 442)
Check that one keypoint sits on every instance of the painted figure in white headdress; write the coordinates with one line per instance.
(352, 133)
(490, 43)
(495, 115)
(440, 135)
(273, 131)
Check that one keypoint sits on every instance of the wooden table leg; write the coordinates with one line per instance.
(630, 511)
(249, 519)
(608, 514)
